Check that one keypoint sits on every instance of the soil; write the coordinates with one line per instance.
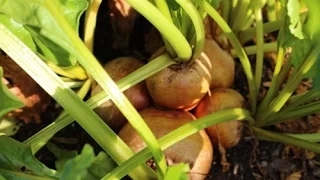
(250, 159)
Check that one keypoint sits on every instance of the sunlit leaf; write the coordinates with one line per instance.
(294, 15)
(36, 16)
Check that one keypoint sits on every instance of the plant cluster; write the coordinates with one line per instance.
(42, 37)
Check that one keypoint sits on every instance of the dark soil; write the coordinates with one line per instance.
(250, 159)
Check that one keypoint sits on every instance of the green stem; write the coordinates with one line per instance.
(185, 24)
(176, 19)
(294, 113)
(282, 98)
(271, 10)
(260, 133)
(55, 87)
(273, 88)
(236, 44)
(251, 50)
(196, 19)
(179, 134)
(248, 34)
(164, 9)
(313, 137)
(237, 20)
(165, 27)
(260, 41)
(226, 4)
(302, 98)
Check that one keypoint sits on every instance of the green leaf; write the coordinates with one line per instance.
(102, 165)
(2, 178)
(295, 26)
(77, 168)
(62, 155)
(179, 171)
(18, 30)
(37, 15)
(16, 158)
(8, 101)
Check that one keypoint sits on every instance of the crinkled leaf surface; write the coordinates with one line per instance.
(8, 101)
(102, 165)
(16, 159)
(37, 15)
(179, 171)
(90, 166)
(77, 168)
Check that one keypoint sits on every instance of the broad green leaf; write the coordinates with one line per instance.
(2, 178)
(102, 165)
(61, 155)
(18, 30)
(8, 101)
(36, 15)
(77, 168)
(179, 171)
(16, 158)
(295, 26)
(301, 47)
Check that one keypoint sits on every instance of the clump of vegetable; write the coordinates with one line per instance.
(137, 95)
(223, 65)
(181, 86)
(195, 150)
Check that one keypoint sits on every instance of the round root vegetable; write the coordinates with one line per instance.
(226, 134)
(137, 95)
(195, 150)
(181, 86)
(223, 65)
